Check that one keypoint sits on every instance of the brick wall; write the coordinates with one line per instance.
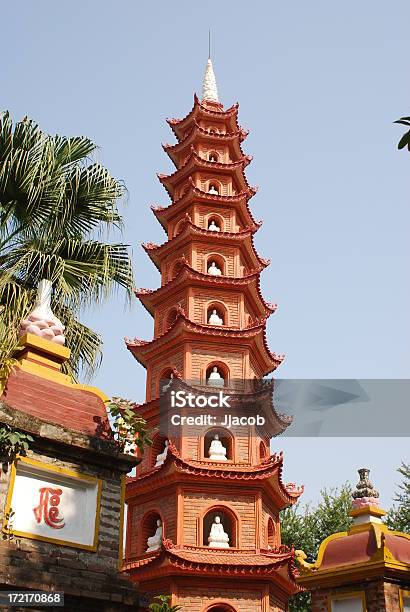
(195, 504)
(91, 580)
(33, 564)
(201, 358)
(194, 599)
(230, 300)
(380, 596)
(168, 513)
(204, 212)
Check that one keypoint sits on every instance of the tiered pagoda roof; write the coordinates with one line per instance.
(182, 328)
(268, 472)
(187, 276)
(277, 564)
(193, 194)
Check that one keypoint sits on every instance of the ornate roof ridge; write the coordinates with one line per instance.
(286, 419)
(252, 562)
(181, 318)
(170, 180)
(274, 464)
(160, 210)
(211, 112)
(153, 249)
(185, 267)
(240, 134)
(244, 232)
(214, 469)
(242, 161)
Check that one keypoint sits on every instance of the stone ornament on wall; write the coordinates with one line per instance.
(54, 504)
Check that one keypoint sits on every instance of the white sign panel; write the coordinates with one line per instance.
(53, 504)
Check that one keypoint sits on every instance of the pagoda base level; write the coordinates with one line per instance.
(226, 595)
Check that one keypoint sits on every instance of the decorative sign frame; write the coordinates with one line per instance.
(53, 504)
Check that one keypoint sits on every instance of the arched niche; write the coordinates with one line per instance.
(170, 318)
(223, 371)
(229, 521)
(225, 437)
(219, 261)
(175, 269)
(221, 312)
(220, 607)
(263, 450)
(158, 445)
(163, 381)
(214, 187)
(271, 533)
(213, 219)
(148, 527)
(213, 156)
(179, 226)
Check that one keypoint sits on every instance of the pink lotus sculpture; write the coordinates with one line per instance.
(42, 322)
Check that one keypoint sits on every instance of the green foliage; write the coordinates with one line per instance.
(12, 443)
(305, 529)
(130, 430)
(162, 604)
(56, 205)
(398, 517)
(405, 139)
(7, 529)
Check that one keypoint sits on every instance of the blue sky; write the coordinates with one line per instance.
(319, 85)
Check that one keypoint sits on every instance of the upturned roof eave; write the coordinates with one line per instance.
(195, 163)
(197, 134)
(183, 328)
(157, 252)
(165, 213)
(150, 299)
(179, 126)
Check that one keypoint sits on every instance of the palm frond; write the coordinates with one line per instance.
(54, 201)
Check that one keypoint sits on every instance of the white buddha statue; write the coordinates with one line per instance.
(167, 384)
(217, 451)
(155, 542)
(215, 379)
(217, 537)
(213, 227)
(214, 318)
(214, 270)
(162, 456)
(212, 189)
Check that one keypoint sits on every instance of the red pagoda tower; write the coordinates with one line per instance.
(203, 510)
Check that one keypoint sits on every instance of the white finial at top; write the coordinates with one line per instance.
(209, 88)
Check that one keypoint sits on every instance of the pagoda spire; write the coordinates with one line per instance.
(209, 87)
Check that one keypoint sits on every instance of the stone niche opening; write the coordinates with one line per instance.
(158, 445)
(215, 223)
(263, 451)
(226, 439)
(271, 533)
(219, 262)
(170, 318)
(212, 380)
(220, 312)
(228, 520)
(148, 528)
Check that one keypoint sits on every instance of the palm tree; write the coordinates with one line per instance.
(162, 605)
(56, 207)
